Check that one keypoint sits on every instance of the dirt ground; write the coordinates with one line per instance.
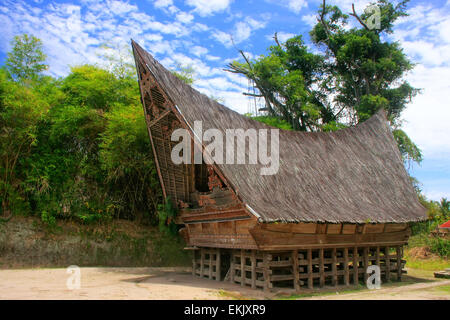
(174, 283)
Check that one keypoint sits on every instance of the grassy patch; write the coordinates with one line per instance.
(445, 289)
(434, 264)
(323, 292)
(232, 295)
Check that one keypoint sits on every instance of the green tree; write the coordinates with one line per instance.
(126, 157)
(356, 73)
(21, 108)
(26, 59)
(97, 88)
(286, 78)
(185, 73)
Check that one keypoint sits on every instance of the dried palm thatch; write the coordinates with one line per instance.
(354, 175)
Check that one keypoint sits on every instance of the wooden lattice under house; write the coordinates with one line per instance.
(340, 201)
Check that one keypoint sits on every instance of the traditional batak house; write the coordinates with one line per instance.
(339, 203)
(442, 230)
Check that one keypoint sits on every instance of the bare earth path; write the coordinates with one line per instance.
(167, 283)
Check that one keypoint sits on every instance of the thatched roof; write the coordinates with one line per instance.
(354, 175)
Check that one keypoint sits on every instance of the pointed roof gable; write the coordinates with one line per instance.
(354, 175)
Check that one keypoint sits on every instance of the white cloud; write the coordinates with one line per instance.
(198, 51)
(223, 37)
(426, 119)
(297, 5)
(281, 35)
(424, 35)
(72, 33)
(166, 5)
(162, 3)
(185, 17)
(310, 19)
(241, 31)
(208, 7)
(293, 5)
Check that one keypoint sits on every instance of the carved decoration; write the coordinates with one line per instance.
(168, 129)
(213, 179)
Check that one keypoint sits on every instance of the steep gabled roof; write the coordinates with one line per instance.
(445, 225)
(354, 175)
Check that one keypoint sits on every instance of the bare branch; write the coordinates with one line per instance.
(275, 37)
(358, 18)
(321, 19)
(253, 95)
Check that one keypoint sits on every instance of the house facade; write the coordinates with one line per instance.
(339, 202)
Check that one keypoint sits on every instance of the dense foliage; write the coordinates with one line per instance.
(75, 147)
(352, 73)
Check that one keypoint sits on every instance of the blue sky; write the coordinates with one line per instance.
(199, 33)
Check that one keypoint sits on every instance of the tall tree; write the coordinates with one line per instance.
(356, 73)
(287, 79)
(26, 60)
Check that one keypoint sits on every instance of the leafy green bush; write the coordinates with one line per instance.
(440, 246)
(76, 147)
(273, 122)
(166, 215)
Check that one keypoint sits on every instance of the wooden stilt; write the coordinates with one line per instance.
(310, 269)
(194, 262)
(210, 269)
(388, 264)
(253, 260)
(334, 279)
(324, 266)
(366, 263)
(232, 267)
(218, 262)
(202, 262)
(295, 270)
(242, 268)
(346, 269)
(321, 268)
(355, 266)
(377, 257)
(266, 272)
(399, 263)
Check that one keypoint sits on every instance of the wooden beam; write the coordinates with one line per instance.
(355, 266)
(155, 156)
(388, 264)
(334, 267)
(242, 268)
(295, 270)
(366, 263)
(216, 215)
(194, 263)
(210, 274)
(266, 271)
(202, 262)
(164, 114)
(346, 268)
(218, 262)
(310, 269)
(253, 259)
(321, 268)
(399, 263)
(377, 257)
(232, 267)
